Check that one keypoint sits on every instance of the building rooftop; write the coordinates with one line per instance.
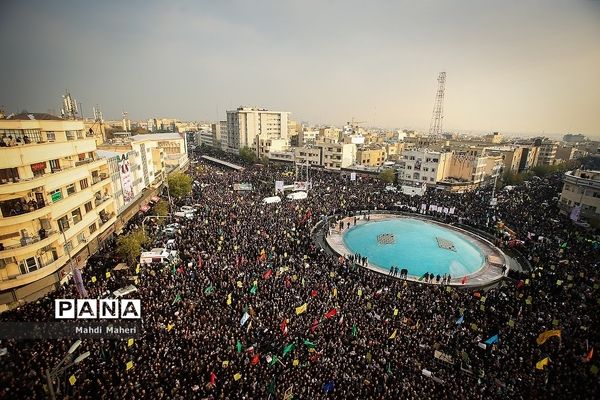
(34, 117)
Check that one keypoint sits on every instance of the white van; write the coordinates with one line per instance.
(188, 209)
(158, 255)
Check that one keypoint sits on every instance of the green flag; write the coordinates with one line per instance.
(253, 289)
(174, 270)
(177, 298)
(309, 344)
(354, 330)
(287, 349)
(389, 368)
(209, 289)
(238, 345)
(272, 386)
(274, 359)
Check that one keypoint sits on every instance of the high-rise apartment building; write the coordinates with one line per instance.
(246, 127)
(55, 200)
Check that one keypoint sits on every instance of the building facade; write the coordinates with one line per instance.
(247, 126)
(55, 200)
(581, 190)
(422, 166)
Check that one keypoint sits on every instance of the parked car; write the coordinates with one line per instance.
(188, 209)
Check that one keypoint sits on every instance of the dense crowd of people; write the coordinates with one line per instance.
(257, 309)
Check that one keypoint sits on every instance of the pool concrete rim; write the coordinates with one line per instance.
(490, 271)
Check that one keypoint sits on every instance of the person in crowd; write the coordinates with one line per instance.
(240, 257)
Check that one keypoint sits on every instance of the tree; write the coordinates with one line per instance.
(248, 155)
(161, 208)
(387, 175)
(179, 184)
(129, 247)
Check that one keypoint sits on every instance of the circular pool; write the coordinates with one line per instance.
(418, 245)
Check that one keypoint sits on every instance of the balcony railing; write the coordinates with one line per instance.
(26, 241)
(105, 218)
(23, 208)
(101, 200)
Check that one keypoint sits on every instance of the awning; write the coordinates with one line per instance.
(144, 208)
(155, 199)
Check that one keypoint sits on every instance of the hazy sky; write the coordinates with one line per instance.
(512, 65)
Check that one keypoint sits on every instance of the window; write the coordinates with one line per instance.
(51, 136)
(55, 195)
(29, 265)
(70, 135)
(83, 183)
(435, 160)
(76, 216)
(54, 165)
(431, 179)
(70, 189)
(81, 237)
(79, 134)
(92, 228)
(424, 178)
(432, 169)
(88, 206)
(38, 169)
(8, 175)
(63, 223)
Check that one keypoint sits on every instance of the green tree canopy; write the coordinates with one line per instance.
(387, 175)
(129, 247)
(248, 155)
(161, 208)
(179, 184)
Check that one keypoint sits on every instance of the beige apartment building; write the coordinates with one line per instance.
(247, 126)
(373, 156)
(55, 199)
(581, 189)
(337, 155)
(422, 166)
(310, 155)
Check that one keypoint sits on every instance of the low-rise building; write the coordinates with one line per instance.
(373, 156)
(422, 166)
(337, 155)
(581, 191)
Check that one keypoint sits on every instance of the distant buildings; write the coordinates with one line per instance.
(572, 138)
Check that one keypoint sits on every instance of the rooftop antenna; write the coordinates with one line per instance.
(69, 109)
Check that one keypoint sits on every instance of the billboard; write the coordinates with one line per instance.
(126, 179)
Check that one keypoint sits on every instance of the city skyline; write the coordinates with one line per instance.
(528, 67)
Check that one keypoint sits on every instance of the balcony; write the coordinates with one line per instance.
(105, 218)
(99, 179)
(10, 280)
(17, 214)
(101, 200)
(28, 245)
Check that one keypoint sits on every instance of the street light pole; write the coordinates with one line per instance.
(166, 182)
(62, 229)
(57, 370)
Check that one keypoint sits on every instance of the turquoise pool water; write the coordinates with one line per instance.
(415, 247)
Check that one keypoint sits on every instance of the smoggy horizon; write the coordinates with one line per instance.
(517, 67)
